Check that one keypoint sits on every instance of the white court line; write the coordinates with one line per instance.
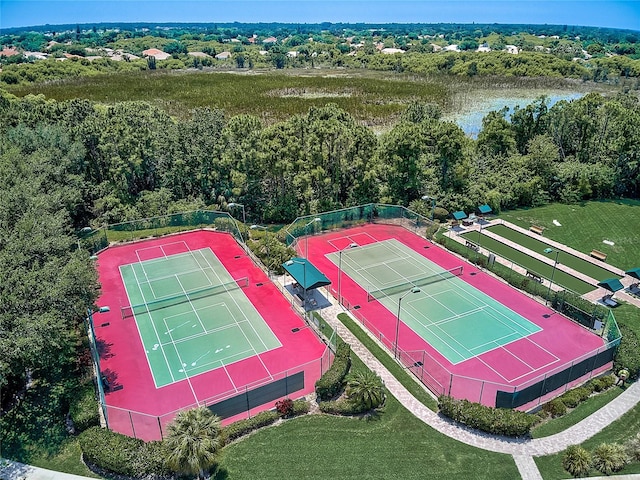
(246, 318)
(182, 366)
(166, 361)
(223, 362)
(195, 310)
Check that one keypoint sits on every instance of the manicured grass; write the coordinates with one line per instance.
(391, 445)
(619, 431)
(561, 278)
(586, 225)
(582, 411)
(564, 258)
(390, 364)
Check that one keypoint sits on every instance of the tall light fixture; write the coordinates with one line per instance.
(306, 238)
(351, 245)
(555, 264)
(413, 290)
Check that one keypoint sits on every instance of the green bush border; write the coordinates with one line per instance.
(332, 382)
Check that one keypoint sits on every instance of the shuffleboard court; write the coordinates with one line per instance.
(192, 315)
(455, 318)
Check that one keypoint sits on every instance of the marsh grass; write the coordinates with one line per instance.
(374, 98)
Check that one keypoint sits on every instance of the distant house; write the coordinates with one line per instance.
(391, 51)
(270, 40)
(451, 48)
(9, 52)
(292, 54)
(436, 48)
(223, 56)
(36, 55)
(512, 49)
(484, 48)
(154, 52)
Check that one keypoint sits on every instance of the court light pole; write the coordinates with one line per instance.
(83, 232)
(413, 290)
(351, 245)
(555, 264)
(306, 237)
(244, 216)
(433, 204)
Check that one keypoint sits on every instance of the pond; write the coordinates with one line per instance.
(470, 118)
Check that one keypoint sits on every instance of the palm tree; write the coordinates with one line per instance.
(365, 389)
(192, 441)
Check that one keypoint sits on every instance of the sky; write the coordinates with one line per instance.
(598, 13)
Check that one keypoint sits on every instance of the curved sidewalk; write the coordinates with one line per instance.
(522, 449)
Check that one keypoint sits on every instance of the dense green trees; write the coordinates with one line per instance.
(131, 159)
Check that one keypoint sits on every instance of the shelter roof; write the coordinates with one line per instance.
(612, 284)
(305, 273)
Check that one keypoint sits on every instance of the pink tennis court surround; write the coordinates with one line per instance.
(555, 348)
(135, 406)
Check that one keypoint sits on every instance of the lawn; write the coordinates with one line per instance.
(619, 431)
(594, 271)
(394, 444)
(520, 258)
(586, 225)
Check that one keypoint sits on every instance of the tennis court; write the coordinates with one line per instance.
(192, 315)
(456, 319)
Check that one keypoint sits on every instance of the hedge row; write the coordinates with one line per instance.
(242, 427)
(340, 407)
(558, 406)
(237, 429)
(628, 355)
(499, 421)
(83, 410)
(121, 454)
(332, 382)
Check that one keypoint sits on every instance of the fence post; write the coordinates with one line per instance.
(133, 429)
(481, 391)
(160, 427)
(246, 393)
(566, 386)
(450, 383)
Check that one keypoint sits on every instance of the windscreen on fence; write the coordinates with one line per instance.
(554, 382)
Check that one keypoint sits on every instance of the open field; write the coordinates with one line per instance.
(375, 98)
(586, 225)
(392, 445)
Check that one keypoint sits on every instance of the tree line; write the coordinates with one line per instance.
(67, 165)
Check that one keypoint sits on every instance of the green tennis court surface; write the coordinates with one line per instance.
(458, 320)
(192, 315)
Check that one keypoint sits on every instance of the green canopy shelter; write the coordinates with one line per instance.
(459, 215)
(634, 272)
(485, 209)
(305, 273)
(612, 284)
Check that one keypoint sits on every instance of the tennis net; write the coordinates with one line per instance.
(131, 310)
(420, 282)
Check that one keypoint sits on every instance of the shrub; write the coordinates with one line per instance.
(555, 408)
(340, 407)
(500, 421)
(242, 427)
(284, 407)
(576, 461)
(123, 455)
(84, 409)
(633, 448)
(571, 399)
(583, 392)
(609, 458)
(365, 389)
(331, 383)
(300, 407)
(628, 354)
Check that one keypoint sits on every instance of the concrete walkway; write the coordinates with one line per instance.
(523, 450)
